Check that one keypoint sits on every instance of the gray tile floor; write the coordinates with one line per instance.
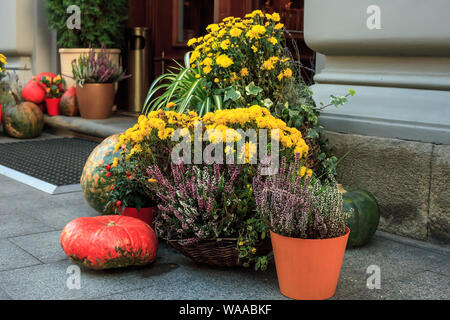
(33, 265)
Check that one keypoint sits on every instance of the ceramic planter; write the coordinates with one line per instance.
(52, 106)
(308, 269)
(147, 215)
(68, 55)
(95, 100)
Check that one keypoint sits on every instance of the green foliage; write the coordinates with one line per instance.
(180, 87)
(102, 21)
(128, 187)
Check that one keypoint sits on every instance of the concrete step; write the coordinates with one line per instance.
(97, 128)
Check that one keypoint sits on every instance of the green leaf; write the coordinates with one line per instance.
(252, 89)
(187, 57)
(218, 101)
(231, 93)
(267, 103)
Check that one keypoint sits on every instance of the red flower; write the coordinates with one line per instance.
(108, 174)
(118, 203)
(130, 178)
(107, 167)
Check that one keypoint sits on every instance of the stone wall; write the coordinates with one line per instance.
(410, 180)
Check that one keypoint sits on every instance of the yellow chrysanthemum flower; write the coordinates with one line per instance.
(225, 44)
(244, 72)
(279, 26)
(115, 162)
(191, 42)
(235, 32)
(213, 27)
(207, 69)
(224, 61)
(275, 17)
(287, 73)
(272, 40)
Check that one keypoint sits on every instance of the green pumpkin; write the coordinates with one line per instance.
(23, 120)
(363, 220)
(95, 185)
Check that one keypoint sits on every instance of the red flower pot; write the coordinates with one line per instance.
(52, 106)
(147, 215)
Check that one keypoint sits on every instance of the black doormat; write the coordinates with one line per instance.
(53, 165)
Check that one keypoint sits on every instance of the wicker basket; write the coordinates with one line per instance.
(220, 252)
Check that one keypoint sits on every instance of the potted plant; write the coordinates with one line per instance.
(96, 76)
(128, 194)
(150, 143)
(307, 229)
(53, 92)
(101, 21)
(206, 213)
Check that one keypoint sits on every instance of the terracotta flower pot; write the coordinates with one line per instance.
(308, 269)
(52, 106)
(95, 100)
(147, 215)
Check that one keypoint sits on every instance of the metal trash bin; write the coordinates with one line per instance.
(138, 65)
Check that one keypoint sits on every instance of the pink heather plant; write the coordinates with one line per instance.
(97, 68)
(198, 204)
(299, 207)
(208, 203)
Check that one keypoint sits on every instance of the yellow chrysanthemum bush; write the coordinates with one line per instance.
(206, 200)
(244, 59)
(238, 63)
(241, 62)
(150, 141)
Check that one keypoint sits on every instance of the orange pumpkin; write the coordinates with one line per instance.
(109, 242)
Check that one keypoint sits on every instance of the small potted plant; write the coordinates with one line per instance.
(92, 24)
(96, 76)
(53, 92)
(128, 195)
(307, 229)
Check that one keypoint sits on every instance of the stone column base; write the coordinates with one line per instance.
(410, 180)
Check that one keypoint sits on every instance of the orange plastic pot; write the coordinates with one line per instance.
(308, 269)
(147, 215)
